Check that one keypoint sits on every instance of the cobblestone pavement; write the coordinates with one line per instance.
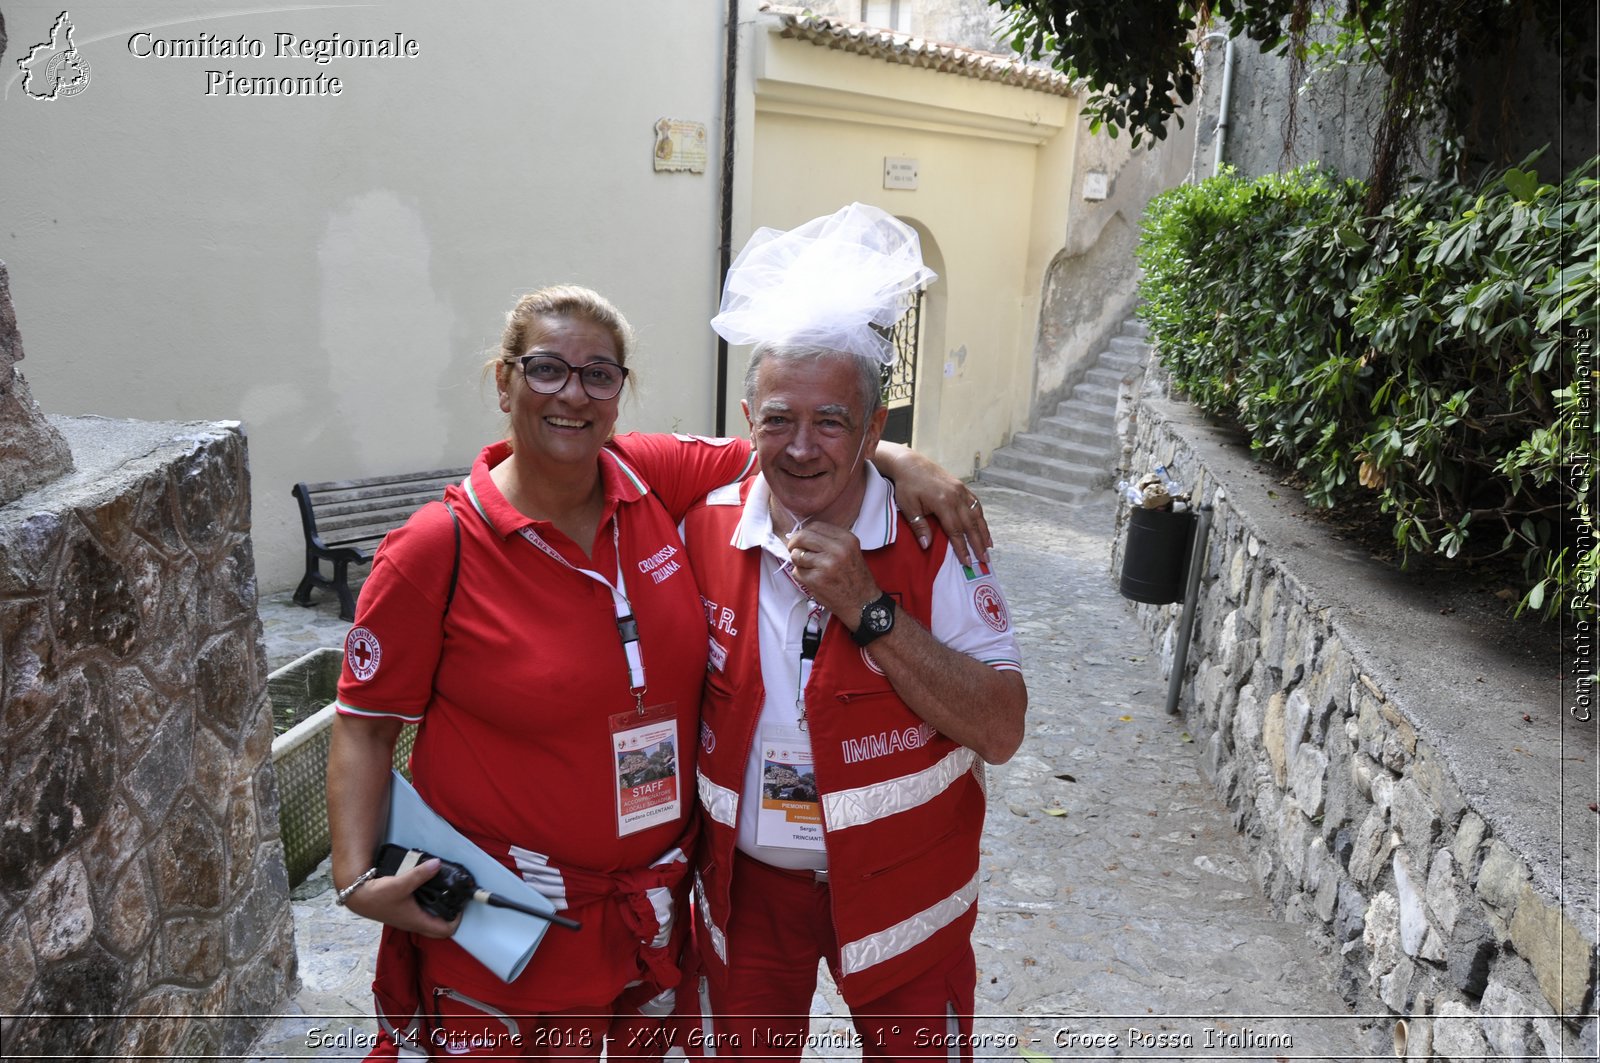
(293, 631)
(1119, 915)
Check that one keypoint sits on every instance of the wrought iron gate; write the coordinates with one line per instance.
(900, 379)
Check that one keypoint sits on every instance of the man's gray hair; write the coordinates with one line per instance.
(870, 371)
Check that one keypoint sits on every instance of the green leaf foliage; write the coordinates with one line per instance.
(1437, 355)
(1137, 55)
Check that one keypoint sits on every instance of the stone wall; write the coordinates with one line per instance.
(31, 451)
(1334, 113)
(1416, 794)
(1279, 118)
(143, 903)
(1092, 283)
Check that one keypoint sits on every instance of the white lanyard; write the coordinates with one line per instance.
(627, 626)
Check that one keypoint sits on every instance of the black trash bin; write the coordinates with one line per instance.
(1155, 563)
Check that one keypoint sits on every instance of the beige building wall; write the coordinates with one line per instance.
(993, 163)
(1091, 285)
(331, 270)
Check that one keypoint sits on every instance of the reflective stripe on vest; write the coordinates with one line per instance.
(907, 934)
(719, 940)
(866, 804)
(720, 803)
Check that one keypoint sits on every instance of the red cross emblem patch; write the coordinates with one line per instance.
(362, 653)
(991, 606)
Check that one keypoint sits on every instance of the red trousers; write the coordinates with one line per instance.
(780, 927)
(455, 1025)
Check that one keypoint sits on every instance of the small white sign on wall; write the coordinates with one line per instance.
(1095, 186)
(899, 172)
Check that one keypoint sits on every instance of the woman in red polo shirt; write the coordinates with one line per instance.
(559, 682)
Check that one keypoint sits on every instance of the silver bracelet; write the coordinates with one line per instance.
(344, 894)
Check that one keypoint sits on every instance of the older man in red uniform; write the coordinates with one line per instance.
(856, 686)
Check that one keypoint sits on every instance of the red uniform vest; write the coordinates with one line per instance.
(902, 805)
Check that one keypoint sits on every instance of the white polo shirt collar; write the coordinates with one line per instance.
(875, 524)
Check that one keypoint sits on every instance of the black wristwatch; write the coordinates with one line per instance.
(877, 620)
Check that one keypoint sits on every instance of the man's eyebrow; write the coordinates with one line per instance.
(773, 406)
(835, 409)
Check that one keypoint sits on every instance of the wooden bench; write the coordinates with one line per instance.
(345, 520)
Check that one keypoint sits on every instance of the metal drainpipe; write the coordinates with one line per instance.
(1222, 110)
(1223, 105)
(1191, 597)
(725, 236)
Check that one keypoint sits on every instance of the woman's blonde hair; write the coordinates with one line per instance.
(558, 300)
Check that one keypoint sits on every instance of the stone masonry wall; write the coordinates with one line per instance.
(31, 451)
(1411, 809)
(143, 902)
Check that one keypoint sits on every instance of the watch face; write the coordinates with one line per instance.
(877, 618)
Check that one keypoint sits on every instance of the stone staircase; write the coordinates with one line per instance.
(1074, 451)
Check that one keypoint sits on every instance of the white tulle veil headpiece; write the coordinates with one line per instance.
(839, 282)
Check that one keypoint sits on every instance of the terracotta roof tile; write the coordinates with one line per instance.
(873, 41)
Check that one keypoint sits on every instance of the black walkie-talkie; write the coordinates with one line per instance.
(452, 886)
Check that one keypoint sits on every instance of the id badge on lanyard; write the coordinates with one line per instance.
(644, 739)
(791, 811)
(644, 748)
(790, 816)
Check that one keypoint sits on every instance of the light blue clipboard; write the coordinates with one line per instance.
(500, 939)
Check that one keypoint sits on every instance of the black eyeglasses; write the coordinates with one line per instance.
(547, 374)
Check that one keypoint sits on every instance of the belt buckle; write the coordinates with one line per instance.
(821, 875)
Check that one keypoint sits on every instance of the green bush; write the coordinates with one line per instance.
(1437, 355)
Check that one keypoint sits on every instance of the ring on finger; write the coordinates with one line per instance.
(974, 504)
(918, 517)
(800, 556)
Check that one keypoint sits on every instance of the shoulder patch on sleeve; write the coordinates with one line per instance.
(991, 606)
(976, 571)
(362, 653)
